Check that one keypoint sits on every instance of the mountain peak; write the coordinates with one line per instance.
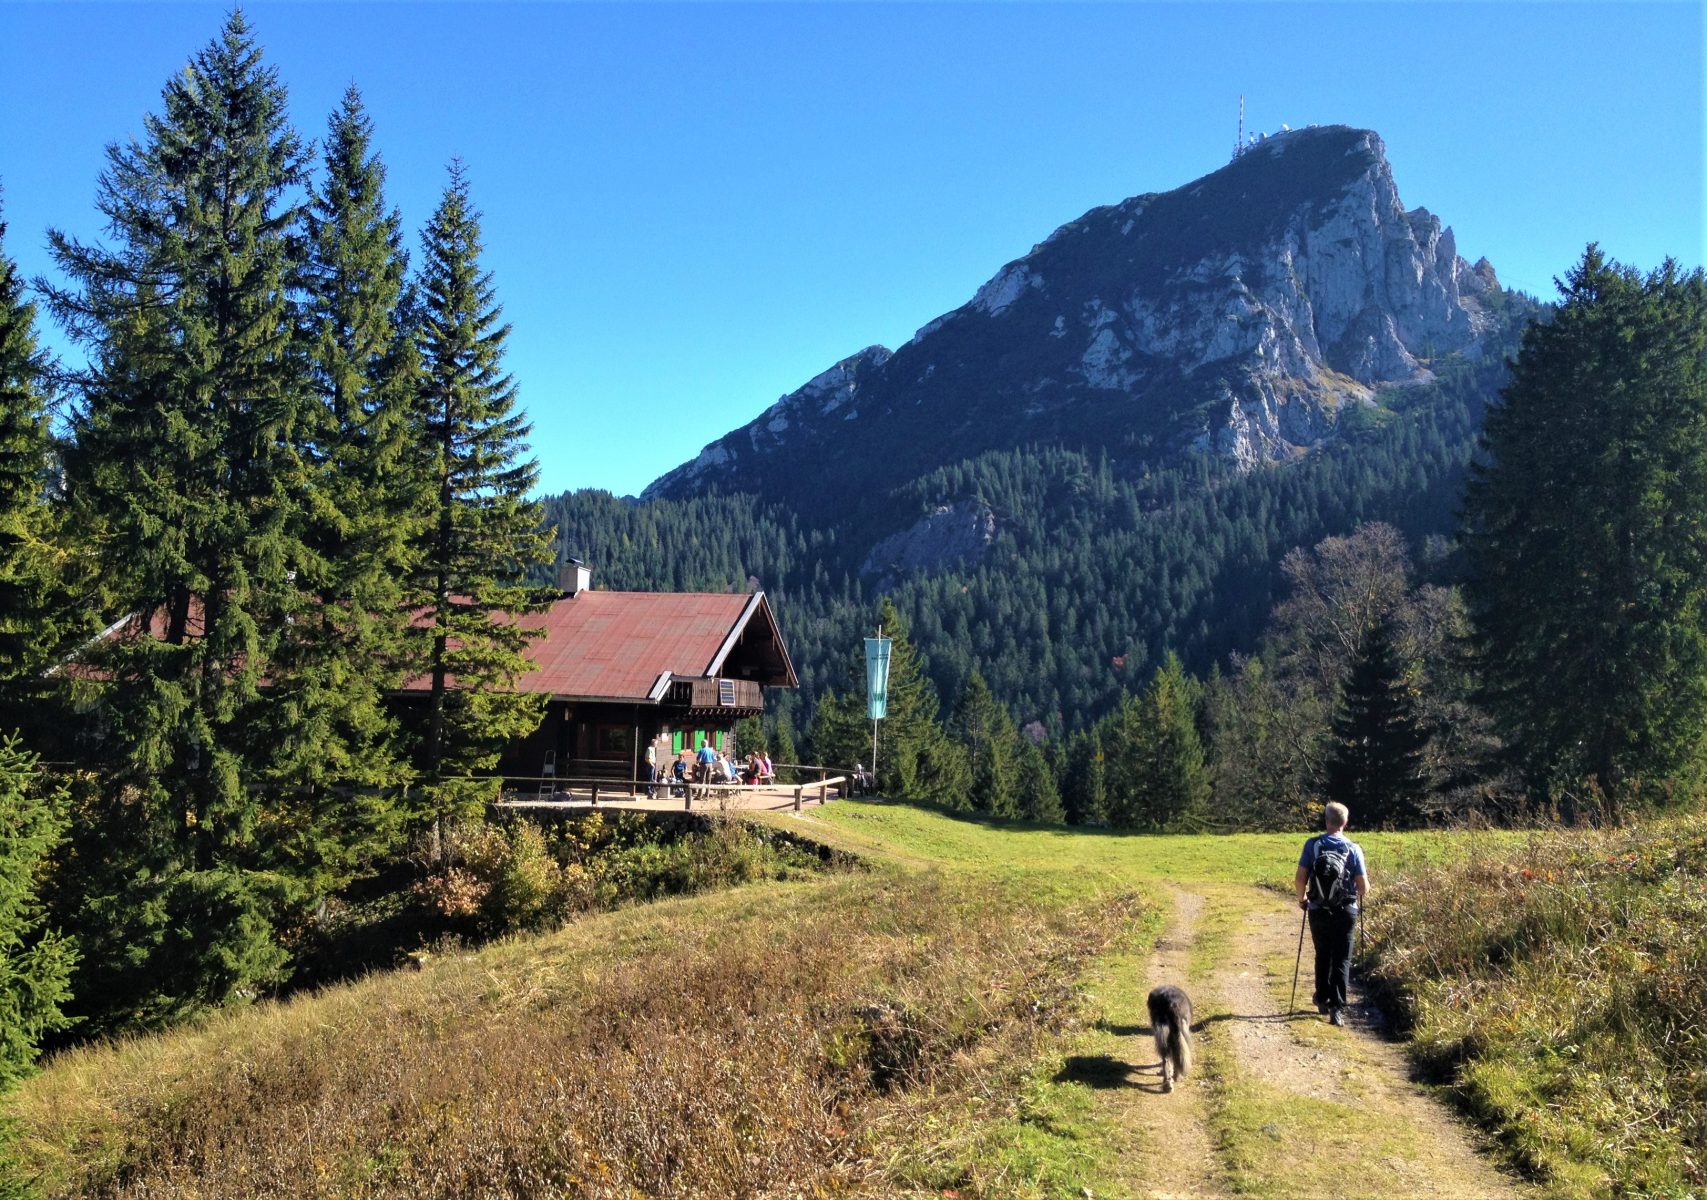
(1235, 314)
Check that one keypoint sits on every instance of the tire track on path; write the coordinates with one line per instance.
(1301, 1108)
(1161, 1145)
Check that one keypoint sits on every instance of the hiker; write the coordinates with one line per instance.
(1332, 880)
(651, 770)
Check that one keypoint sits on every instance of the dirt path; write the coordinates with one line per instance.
(1162, 1142)
(1280, 1106)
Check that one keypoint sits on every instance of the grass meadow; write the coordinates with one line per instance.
(1559, 986)
(886, 1031)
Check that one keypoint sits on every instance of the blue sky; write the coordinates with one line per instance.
(692, 209)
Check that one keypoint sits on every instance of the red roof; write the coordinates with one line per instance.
(615, 644)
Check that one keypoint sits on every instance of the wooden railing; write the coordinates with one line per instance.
(546, 788)
(708, 692)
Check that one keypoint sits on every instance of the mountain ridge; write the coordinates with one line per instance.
(1233, 315)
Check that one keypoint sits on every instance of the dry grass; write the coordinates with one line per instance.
(1560, 986)
(777, 1040)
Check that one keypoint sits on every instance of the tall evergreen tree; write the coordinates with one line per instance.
(1036, 798)
(362, 511)
(484, 533)
(1160, 780)
(986, 732)
(187, 478)
(914, 761)
(782, 748)
(1266, 735)
(1375, 757)
(1084, 786)
(839, 735)
(36, 618)
(1586, 536)
(35, 965)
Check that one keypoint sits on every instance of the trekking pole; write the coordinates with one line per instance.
(1292, 1004)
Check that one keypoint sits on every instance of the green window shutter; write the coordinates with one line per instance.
(676, 742)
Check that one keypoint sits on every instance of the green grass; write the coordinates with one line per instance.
(891, 1032)
(1278, 1144)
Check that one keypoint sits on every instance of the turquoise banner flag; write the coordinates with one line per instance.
(876, 678)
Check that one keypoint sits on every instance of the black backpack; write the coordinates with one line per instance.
(1330, 877)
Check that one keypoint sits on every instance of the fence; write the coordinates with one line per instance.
(555, 789)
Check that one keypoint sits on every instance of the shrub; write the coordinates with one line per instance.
(506, 877)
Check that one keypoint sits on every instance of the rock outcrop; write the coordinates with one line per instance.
(1237, 315)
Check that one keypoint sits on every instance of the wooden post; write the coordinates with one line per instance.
(797, 791)
(687, 794)
(595, 793)
(823, 792)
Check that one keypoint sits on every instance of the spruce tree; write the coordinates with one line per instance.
(186, 478)
(1161, 780)
(37, 619)
(1035, 795)
(1585, 532)
(782, 748)
(484, 534)
(344, 646)
(913, 759)
(986, 732)
(35, 964)
(839, 736)
(1084, 788)
(1375, 757)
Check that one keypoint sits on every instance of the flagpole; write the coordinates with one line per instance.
(874, 726)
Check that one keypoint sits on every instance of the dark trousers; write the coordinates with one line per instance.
(1331, 933)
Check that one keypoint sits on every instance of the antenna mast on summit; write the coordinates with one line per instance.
(1239, 145)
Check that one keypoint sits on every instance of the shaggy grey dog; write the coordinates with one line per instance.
(1170, 1021)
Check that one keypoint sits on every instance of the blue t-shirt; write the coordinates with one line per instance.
(1354, 867)
(707, 754)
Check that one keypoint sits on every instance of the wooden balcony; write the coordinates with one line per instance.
(712, 692)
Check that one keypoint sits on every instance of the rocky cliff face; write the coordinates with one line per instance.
(1236, 315)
